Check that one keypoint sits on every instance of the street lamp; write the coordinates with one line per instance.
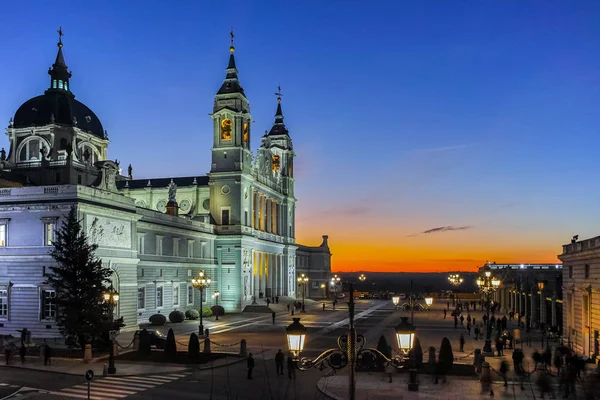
(303, 281)
(362, 277)
(351, 349)
(323, 286)
(428, 301)
(111, 298)
(396, 301)
(455, 281)
(215, 296)
(201, 283)
(335, 281)
(487, 286)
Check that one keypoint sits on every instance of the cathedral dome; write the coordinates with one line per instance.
(59, 107)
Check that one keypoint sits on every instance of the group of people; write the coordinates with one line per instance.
(279, 362)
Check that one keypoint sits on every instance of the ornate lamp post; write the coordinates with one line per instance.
(335, 281)
(215, 296)
(396, 301)
(323, 286)
(201, 284)
(455, 281)
(429, 301)
(351, 349)
(302, 282)
(487, 286)
(111, 298)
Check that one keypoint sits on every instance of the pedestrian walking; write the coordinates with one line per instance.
(47, 354)
(469, 328)
(518, 357)
(22, 353)
(389, 370)
(250, 365)
(462, 320)
(476, 332)
(543, 384)
(445, 312)
(323, 306)
(268, 301)
(279, 359)
(291, 367)
(276, 299)
(273, 316)
(288, 306)
(7, 353)
(504, 371)
(462, 342)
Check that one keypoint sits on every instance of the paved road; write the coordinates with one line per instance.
(14, 380)
(373, 318)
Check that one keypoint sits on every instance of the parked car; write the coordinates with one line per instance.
(157, 338)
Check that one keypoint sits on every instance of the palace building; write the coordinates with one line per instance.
(237, 223)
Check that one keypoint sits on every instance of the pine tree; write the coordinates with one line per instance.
(79, 280)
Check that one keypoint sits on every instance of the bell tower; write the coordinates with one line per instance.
(231, 123)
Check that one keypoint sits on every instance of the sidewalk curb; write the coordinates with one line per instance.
(73, 374)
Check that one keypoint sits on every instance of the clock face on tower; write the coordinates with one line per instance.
(226, 129)
(276, 163)
(246, 132)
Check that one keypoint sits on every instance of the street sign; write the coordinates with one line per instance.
(89, 375)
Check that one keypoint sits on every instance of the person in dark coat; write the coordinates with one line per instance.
(279, 358)
(504, 371)
(47, 354)
(250, 365)
(273, 317)
(462, 342)
(291, 367)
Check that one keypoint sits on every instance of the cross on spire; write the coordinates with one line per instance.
(231, 48)
(278, 93)
(60, 35)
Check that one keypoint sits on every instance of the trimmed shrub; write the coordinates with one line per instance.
(144, 345)
(217, 310)
(170, 345)
(417, 352)
(176, 316)
(157, 319)
(192, 314)
(193, 347)
(207, 312)
(445, 356)
(385, 349)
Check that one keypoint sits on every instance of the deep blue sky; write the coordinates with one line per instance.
(405, 115)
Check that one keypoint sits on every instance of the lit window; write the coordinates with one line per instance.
(48, 304)
(49, 233)
(3, 303)
(3, 232)
(190, 295)
(176, 294)
(159, 296)
(54, 84)
(60, 84)
(66, 86)
(141, 298)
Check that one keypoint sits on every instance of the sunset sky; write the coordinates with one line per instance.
(430, 135)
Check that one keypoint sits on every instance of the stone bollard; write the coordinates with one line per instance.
(431, 359)
(136, 342)
(115, 349)
(486, 378)
(243, 348)
(87, 355)
(105, 370)
(206, 346)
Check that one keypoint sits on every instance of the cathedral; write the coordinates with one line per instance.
(237, 224)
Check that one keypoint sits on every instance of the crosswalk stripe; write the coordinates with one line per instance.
(103, 388)
(163, 377)
(121, 381)
(143, 381)
(153, 379)
(178, 375)
(80, 395)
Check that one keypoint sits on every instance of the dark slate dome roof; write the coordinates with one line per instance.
(39, 110)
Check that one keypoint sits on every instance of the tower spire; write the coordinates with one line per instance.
(231, 83)
(59, 73)
(279, 127)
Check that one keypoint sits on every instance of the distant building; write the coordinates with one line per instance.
(237, 223)
(316, 263)
(581, 273)
(534, 291)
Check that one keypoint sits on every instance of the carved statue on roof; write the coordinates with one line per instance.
(172, 191)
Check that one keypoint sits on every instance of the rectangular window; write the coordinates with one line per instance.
(176, 294)
(3, 303)
(3, 234)
(159, 245)
(570, 271)
(48, 304)
(175, 247)
(587, 271)
(190, 295)
(189, 273)
(190, 249)
(224, 217)
(159, 296)
(49, 229)
(246, 217)
(141, 298)
(141, 244)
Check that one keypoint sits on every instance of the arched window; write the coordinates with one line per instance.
(30, 150)
(60, 84)
(54, 84)
(87, 153)
(66, 86)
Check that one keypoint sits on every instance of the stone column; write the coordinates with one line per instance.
(254, 210)
(255, 274)
(542, 307)
(532, 306)
(264, 213)
(274, 217)
(268, 214)
(275, 276)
